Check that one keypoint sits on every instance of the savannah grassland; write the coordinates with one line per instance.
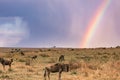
(94, 64)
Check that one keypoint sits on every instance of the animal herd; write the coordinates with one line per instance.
(56, 67)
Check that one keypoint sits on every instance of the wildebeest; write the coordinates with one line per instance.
(6, 62)
(22, 53)
(15, 50)
(61, 58)
(34, 57)
(12, 51)
(58, 67)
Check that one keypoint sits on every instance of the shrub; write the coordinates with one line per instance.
(117, 46)
(10, 70)
(49, 49)
(0, 71)
(73, 72)
(4, 76)
(21, 60)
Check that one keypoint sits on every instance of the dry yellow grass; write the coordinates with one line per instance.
(94, 64)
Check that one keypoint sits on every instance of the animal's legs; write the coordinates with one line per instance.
(49, 75)
(60, 72)
(10, 66)
(4, 67)
(45, 75)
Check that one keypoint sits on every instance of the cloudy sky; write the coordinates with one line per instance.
(61, 23)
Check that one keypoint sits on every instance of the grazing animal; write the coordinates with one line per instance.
(22, 53)
(6, 62)
(61, 58)
(11, 51)
(17, 50)
(34, 57)
(58, 67)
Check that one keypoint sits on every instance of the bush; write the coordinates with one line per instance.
(117, 46)
(21, 60)
(49, 49)
(73, 72)
(4, 76)
(10, 70)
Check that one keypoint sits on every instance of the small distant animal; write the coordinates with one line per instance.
(18, 50)
(11, 51)
(61, 58)
(22, 53)
(34, 57)
(15, 50)
(57, 67)
(6, 62)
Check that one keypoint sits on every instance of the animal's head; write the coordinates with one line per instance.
(1, 59)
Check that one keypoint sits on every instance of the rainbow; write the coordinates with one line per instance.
(94, 22)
